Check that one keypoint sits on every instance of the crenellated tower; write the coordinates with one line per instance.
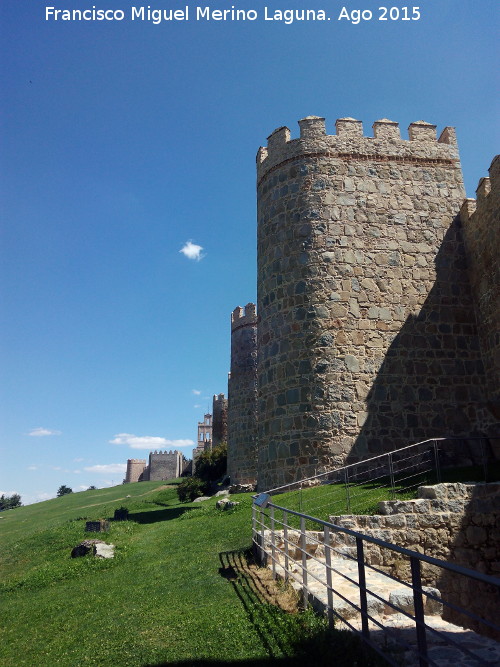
(242, 397)
(367, 337)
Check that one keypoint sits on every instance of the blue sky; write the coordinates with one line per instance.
(124, 141)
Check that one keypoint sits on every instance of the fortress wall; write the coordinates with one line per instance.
(219, 419)
(242, 397)
(481, 230)
(367, 338)
(164, 465)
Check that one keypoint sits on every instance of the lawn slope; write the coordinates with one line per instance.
(173, 594)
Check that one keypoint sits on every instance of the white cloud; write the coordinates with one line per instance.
(32, 468)
(79, 460)
(147, 441)
(108, 469)
(192, 251)
(197, 406)
(196, 392)
(39, 432)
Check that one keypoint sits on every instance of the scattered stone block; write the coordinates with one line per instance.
(100, 526)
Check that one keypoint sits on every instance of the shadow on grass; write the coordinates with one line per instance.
(159, 515)
(293, 639)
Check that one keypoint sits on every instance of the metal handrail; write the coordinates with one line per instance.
(373, 458)
(259, 529)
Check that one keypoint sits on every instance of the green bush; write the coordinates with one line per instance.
(212, 464)
(191, 488)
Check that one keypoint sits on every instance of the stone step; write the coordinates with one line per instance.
(400, 626)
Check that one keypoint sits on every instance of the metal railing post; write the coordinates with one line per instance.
(303, 543)
(391, 474)
(262, 543)
(254, 532)
(418, 606)
(328, 566)
(285, 539)
(273, 542)
(362, 588)
(347, 493)
(436, 460)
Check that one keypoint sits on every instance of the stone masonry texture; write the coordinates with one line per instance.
(242, 397)
(135, 468)
(459, 523)
(367, 335)
(219, 419)
(481, 226)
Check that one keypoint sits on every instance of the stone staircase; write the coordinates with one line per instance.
(429, 524)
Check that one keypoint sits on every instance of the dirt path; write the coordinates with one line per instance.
(158, 488)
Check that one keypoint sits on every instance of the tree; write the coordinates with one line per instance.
(191, 488)
(9, 502)
(92, 488)
(212, 464)
(63, 490)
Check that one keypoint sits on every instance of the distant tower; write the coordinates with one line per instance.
(219, 419)
(204, 436)
(366, 322)
(135, 468)
(242, 397)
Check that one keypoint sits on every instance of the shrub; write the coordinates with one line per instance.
(191, 488)
(212, 464)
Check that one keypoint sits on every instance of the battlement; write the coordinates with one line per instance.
(243, 316)
(137, 461)
(219, 398)
(483, 192)
(386, 143)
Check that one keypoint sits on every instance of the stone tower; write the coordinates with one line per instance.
(219, 419)
(242, 397)
(367, 336)
(135, 468)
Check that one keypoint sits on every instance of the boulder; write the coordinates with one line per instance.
(85, 547)
(241, 488)
(225, 504)
(103, 550)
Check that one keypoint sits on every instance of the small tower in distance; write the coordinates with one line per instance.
(242, 397)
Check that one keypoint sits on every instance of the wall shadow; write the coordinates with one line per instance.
(431, 382)
(159, 515)
(284, 643)
(475, 546)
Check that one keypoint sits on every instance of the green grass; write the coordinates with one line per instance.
(162, 600)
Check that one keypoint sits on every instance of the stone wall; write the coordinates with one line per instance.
(481, 229)
(367, 336)
(459, 523)
(219, 419)
(164, 465)
(242, 397)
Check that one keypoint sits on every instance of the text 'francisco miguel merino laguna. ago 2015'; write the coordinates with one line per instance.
(206, 13)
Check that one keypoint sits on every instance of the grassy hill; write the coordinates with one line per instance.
(179, 590)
